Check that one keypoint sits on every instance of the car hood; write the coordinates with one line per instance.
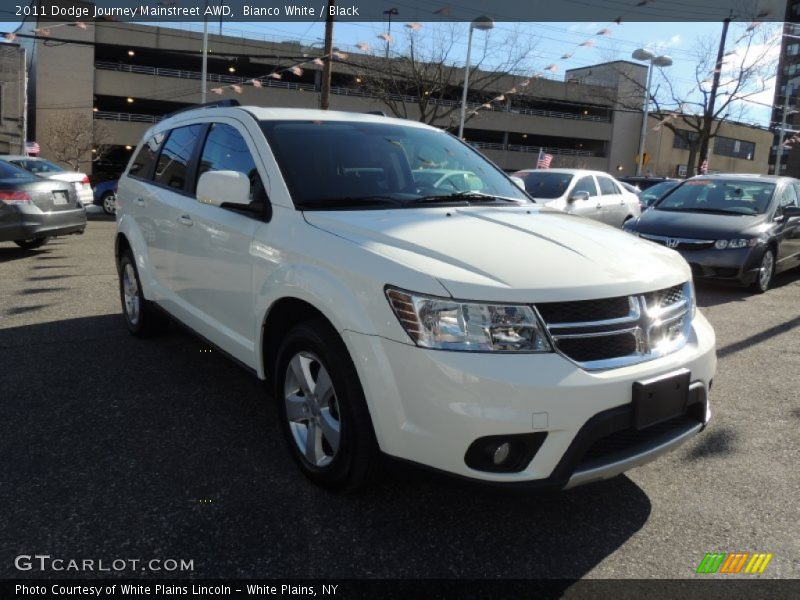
(697, 225)
(520, 254)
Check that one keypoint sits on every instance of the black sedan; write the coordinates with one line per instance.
(729, 227)
(32, 210)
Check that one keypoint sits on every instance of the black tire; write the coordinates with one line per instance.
(766, 272)
(32, 243)
(104, 202)
(145, 320)
(353, 463)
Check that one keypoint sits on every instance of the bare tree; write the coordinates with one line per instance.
(423, 80)
(745, 72)
(75, 138)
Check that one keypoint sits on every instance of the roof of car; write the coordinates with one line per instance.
(744, 176)
(19, 157)
(296, 114)
(568, 171)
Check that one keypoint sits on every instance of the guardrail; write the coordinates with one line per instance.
(132, 117)
(532, 149)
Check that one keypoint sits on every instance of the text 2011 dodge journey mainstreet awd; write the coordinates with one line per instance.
(447, 320)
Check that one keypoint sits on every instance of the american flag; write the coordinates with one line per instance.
(704, 166)
(32, 149)
(544, 160)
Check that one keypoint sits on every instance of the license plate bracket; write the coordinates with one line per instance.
(660, 398)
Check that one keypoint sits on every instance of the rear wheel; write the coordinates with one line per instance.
(109, 200)
(324, 415)
(142, 319)
(32, 243)
(766, 271)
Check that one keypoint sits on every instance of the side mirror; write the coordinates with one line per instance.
(519, 181)
(578, 196)
(791, 211)
(224, 187)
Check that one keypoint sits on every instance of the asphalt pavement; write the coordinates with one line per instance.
(117, 448)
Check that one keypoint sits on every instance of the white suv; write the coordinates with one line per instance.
(473, 332)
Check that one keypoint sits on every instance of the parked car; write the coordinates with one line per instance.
(654, 193)
(729, 227)
(591, 194)
(644, 182)
(50, 170)
(105, 196)
(477, 333)
(448, 179)
(32, 210)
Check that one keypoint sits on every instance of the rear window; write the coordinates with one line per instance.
(144, 161)
(173, 162)
(546, 185)
(8, 171)
(37, 166)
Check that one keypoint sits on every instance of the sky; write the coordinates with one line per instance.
(553, 41)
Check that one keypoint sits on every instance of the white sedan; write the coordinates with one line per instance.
(591, 194)
(49, 170)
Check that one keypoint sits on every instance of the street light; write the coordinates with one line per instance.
(786, 97)
(390, 12)
(483, 23)
(659, 61)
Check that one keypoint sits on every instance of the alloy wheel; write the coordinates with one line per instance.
(130, 290)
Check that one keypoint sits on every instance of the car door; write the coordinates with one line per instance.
(214, 257)
(590, 208)
(611, 201)
(166, 202)
(788, 231)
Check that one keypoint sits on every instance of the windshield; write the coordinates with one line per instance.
(656, 192)
(37, 165)
(724, 196)
(8, 171)
(541, 184)
(335, 164)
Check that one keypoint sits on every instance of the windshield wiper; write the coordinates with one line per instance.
(469, 197)
(713, 211)
(351, 202)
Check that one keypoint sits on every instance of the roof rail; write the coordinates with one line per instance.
(216, 104)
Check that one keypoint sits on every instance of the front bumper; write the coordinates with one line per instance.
(428, 406)
(26, 225)
(739, 265)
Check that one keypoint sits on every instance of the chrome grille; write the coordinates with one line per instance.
(677, 243)
(622, 330)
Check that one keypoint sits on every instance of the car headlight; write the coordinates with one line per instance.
(445, 324)
(735, 243)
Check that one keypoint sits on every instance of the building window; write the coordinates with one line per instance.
(683, 139)
(724, 146)
(793, 49)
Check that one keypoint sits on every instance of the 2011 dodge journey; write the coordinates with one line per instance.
(465, 328)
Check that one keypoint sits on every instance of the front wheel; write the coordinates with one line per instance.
(323, 412)
(32, 243)
(141, 317)
(766, 272)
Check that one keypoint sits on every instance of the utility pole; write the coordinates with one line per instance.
(325, 91)
(204, 74)
(709, 114)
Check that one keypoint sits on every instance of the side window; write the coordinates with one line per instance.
(142, 164)
(226, 150)
(173, 162)
(607, 187)
(789, 196)
(586, 184)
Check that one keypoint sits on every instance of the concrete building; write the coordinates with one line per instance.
(127, 76)
(788, 69)
(12, 99)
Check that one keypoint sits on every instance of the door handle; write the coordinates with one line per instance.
(140, 202)
(185, 220)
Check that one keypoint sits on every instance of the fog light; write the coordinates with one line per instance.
(501, 453)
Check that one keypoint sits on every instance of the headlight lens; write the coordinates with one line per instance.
(445, 324)
(735, 243)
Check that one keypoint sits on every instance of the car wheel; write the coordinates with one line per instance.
(766, 271)
(141, 317)
(32, 243)
(324, 415)
(109, 200)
